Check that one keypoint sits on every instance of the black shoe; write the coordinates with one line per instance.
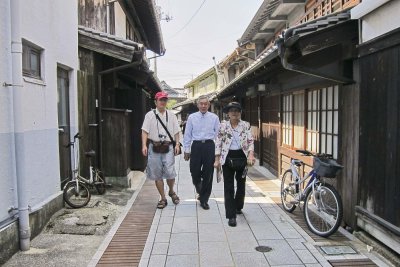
(205, 206)
(239, 212)
(232, 222)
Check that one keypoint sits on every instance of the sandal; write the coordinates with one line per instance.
(174, 197)
(162, 204)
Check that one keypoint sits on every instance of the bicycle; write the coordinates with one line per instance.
(323, 208)
(76, 192)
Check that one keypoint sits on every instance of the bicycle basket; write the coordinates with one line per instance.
(326, 167)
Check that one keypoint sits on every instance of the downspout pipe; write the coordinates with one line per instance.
(17, 87)
(284, 52)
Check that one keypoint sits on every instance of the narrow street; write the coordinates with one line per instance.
(187, 235)
(89, 87)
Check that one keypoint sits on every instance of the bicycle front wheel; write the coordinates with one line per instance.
(288, 191)
(323, 210)
(76, 195)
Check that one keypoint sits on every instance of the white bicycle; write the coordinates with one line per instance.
(323, 208)
(76, 192)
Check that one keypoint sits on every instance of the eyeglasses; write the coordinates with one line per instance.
(234, 110)
(163, 99)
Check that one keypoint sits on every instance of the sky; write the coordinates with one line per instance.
(192, 39)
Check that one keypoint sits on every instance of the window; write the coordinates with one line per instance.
(287, 120)
(130, 32)
(31, 63)
(329, 120)
(316, 114)
(298, 115)
(112, 18)
(313, 121)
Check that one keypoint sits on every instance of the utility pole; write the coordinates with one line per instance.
(161, 16)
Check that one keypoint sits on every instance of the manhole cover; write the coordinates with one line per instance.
(263, 249)
(337, 250)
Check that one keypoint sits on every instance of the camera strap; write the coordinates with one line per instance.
(163, 125)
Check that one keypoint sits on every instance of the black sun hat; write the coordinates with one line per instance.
(232, 105)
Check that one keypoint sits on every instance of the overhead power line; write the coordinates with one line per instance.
(187, 23)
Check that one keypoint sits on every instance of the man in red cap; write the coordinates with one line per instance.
(160, 131)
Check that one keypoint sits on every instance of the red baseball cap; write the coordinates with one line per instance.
(160, 95)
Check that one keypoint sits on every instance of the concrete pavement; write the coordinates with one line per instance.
(187, 235)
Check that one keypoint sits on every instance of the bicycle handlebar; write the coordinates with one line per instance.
(308, 153)
(305, 152)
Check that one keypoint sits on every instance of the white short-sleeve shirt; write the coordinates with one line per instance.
(154, 128)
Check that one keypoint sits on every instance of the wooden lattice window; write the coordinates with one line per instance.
(287, 121)
(298, 120)
(323, 120)
(329, 120)
(311, 120)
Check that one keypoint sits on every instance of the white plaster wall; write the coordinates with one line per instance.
(120, 21)
(5, 67)
(51, 25)
(382, 20)
(8, 197)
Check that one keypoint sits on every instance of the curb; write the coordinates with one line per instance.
(103, 246)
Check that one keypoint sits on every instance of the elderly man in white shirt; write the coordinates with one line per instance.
(198, 142)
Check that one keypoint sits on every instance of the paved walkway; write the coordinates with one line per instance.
(187, 235)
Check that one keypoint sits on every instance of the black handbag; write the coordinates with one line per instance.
(236, 164)
(169, 135)
(161, 147)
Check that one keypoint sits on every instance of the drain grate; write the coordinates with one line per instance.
(263, 249)
(337, 250)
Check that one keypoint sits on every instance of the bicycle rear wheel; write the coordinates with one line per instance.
(100, 184)
(323, 210)
(76, 196)
(288, 190)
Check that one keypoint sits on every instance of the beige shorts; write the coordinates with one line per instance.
(160, 166)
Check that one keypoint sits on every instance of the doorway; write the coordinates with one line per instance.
(63, 125)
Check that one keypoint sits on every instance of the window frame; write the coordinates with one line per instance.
(287, 116)
(317, 112)
(333, 133)
(29, 50)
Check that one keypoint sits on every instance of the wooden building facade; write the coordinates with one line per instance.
(379, 121)
(317, 88)
(293, 93)
(379, 143)
(116, 87)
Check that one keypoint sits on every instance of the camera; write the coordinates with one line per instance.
(162, 137)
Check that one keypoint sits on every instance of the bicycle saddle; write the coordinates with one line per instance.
(90, 153)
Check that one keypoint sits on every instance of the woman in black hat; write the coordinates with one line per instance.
(234, 150)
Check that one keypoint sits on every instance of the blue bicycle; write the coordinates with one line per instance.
(323, 208)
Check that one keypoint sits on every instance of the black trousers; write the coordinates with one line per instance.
(202, 157)
(233, 201)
